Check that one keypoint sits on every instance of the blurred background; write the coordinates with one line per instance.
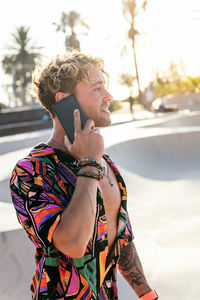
(151, 51)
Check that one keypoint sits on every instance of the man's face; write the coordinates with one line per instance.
(94, 98)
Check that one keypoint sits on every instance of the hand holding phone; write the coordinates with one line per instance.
(64, 110)
(88, 142)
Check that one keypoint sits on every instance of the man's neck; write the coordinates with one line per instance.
(54, 145)
(57, 138)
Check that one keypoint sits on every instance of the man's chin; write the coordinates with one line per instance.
(103, 122)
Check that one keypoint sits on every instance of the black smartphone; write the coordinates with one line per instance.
(64, 109)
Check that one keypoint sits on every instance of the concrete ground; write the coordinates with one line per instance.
(159, 160)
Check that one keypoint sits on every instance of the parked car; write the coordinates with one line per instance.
(161, 105)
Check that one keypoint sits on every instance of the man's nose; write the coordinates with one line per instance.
(108, 96)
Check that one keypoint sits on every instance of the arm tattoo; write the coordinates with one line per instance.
(131, 269)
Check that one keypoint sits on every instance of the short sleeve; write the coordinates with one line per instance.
(39, 198)
(128, 236)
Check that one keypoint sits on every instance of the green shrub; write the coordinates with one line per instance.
(114, 106)
(2, 106)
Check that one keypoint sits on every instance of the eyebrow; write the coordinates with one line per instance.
(98, 82)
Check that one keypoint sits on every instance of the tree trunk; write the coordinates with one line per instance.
(136, 69)
(23, 96)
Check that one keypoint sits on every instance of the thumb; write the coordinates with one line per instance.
(67, 143)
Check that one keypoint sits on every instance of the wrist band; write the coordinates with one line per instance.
(91, 175)
(86, 159)
(149, 296)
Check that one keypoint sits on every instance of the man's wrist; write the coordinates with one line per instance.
(89, 168)
(149, 296)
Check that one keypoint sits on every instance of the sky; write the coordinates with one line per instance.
(170, 31)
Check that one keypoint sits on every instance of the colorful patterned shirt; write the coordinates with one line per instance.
(42, 185)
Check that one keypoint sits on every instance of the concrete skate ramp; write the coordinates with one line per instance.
(16, 265)
(163, 157)
(193, 119)
(162, 174)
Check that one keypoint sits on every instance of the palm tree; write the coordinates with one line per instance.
(130, 12)
(127, 80)
(68, 23)
(21, 62)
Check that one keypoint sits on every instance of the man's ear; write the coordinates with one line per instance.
(60, 95)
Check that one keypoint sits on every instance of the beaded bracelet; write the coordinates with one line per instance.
(90, 174)
(101, 170)
(93, 164)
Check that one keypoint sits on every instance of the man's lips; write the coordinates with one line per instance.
(105, 108)
(106, 111)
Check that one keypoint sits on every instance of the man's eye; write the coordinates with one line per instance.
(98, 89)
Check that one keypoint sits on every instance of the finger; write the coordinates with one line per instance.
(96, 130)
(77, 121)
(89, 125)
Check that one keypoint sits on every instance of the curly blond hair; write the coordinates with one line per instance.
(62, 74)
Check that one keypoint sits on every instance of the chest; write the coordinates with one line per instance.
(112, 202)
(110, 189)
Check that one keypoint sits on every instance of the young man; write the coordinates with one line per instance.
(71, 208)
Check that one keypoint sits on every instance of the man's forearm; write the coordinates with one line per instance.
(131, 269)
(77, 221)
